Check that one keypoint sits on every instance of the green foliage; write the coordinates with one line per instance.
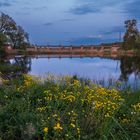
(138, 41)
(2, 42)
(2, 39)
(64, 108)
(132, 35)
(16, 34)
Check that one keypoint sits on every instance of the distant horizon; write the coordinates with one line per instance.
(63, 45)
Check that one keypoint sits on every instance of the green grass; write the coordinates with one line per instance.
(64, 108)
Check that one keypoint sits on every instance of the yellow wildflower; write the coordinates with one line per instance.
(136, 107)
(55, 115)
(70, 98)
(45, 130)
(78, 130)
(76, 82)
(58, 127)
(107, 115)
(73, 125)
(125, 120)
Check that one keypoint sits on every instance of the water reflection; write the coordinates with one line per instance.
(125, 69)
(129, 66)
(16, 66)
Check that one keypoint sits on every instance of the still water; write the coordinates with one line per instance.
(92, 68)
(101, 70)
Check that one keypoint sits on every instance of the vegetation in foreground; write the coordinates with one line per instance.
(64, 108)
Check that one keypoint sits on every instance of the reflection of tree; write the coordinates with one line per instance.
(15, 67)
(128, 66)
(24, 63)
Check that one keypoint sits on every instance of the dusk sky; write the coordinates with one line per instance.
(59, 22)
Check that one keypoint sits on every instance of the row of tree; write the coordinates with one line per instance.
(12, 33)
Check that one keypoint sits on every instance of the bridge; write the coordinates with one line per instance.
(73, 51)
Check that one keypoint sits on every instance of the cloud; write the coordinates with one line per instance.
(32, 8)
(40, 8)
(8, 3)
(67, 20)
(113, 30)
(61, 20)
(5, 4)
(95, 6)
(133, 9)
(48, 24)
(84, 9)
(90, 41)
(85, 41)
(23, 13)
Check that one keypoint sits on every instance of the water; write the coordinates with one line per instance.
(102, 70)
(92, 68)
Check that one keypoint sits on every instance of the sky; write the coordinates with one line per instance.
(72, 22)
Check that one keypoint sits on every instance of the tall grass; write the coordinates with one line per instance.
(66, 108)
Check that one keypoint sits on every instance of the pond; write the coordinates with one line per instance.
(103, 71)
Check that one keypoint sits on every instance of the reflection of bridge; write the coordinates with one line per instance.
(61, 56)
(71, 56)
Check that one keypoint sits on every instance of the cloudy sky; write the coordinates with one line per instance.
(69, 22)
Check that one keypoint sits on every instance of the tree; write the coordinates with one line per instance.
(138, 41)
(7, 24)
(132, 34)
(16, 33)
(2, 39)
(2, 42)
(19, 38)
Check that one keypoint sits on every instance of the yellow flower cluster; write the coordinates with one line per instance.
(66, 106)
(105, 101)
(28, 80)
(58, 127)
(46, 129)
(76, 83)
(48, 96)
(136, 107)
(41, 109)
(69, 109)
(125, 120)
(70, 98)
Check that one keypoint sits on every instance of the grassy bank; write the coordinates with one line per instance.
(64, 108)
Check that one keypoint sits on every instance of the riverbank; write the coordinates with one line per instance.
(66, 108)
